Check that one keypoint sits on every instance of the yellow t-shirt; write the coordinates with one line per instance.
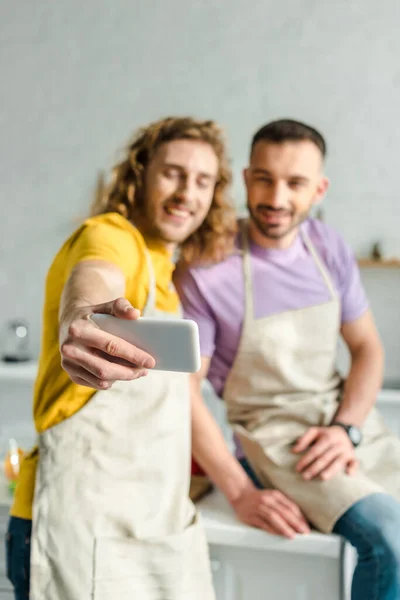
(112, 238)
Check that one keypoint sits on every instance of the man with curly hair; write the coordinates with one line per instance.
(110, 507)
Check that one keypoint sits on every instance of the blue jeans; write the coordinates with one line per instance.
(372, 526)
(18, 556)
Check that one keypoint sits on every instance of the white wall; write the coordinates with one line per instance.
(78, 77)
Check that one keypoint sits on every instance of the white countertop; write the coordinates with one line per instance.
(224, 529)
(25, 371)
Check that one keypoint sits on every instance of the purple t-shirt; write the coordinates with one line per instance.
(282, 280)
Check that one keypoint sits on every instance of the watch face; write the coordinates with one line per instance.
(355, 435)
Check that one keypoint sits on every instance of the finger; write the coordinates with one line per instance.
(261, 524)
(287, 503)
(298, 524)
(112, 359)
(332, 470)
(307, 439)
(302, 523)
(313, 454)
(295, 522)
(352, 466)
(103, 369)
(321, 463)
(85, 383)
(87, 335)
(121, 308)
(82, 377)
(280, 525)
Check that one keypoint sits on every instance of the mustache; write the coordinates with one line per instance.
(273, 209)
(179, 203)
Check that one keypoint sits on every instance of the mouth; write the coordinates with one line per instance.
(177, 213)
(274, 217)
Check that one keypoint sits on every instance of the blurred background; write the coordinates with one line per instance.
(77, 78)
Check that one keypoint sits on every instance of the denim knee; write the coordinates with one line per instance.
(372, 526)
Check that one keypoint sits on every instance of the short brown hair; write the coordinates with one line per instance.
(288, 130)
(214, 239)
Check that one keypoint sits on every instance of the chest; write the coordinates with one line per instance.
(276, 288)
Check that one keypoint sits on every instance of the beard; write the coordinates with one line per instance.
(149, 220)
(274, 231)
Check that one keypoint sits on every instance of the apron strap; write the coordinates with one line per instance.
(318, 261)
(151, 296)
(248, 284)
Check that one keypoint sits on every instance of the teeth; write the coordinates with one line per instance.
(176, 211)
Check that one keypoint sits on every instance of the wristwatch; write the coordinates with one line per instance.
(354, 433)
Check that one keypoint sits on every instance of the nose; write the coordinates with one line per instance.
(187, 189)
(278, 195)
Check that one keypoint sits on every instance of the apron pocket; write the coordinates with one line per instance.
(172, 568)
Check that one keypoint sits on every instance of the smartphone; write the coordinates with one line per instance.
(173, 343)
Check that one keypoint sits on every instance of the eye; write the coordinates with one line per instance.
(295, 185)
(204, 183)
(263, 180)
(171, 173)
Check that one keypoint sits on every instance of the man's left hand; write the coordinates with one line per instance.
(329, 451)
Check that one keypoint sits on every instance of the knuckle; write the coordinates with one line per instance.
(66, 349)
(112, 347)
(135, 374)
(74, 331)
(101, 373)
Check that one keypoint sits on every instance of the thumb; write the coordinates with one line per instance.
(306, 439)
(120, 307)
(352, 466)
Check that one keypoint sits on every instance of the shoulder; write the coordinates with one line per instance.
(108, 237)
(330, 245)
(112, 224)
(213, 275)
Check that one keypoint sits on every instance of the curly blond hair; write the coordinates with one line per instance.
(214, 239)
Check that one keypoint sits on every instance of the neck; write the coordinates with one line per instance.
(266, 242)
(151, 236)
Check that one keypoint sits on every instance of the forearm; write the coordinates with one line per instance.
(210, 450)
(90, 283)
(363, 384)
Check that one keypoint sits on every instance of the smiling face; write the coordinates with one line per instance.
(283, 181)
(179, 185)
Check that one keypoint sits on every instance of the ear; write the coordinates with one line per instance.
(322, 188)
(246, 175)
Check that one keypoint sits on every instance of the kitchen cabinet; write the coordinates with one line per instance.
(248, 563)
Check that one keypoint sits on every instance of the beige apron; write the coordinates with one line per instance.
(284, 381)
(112, 519)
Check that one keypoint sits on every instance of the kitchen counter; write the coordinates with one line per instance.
(6, 497)
(22, 371)
(224, 529)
